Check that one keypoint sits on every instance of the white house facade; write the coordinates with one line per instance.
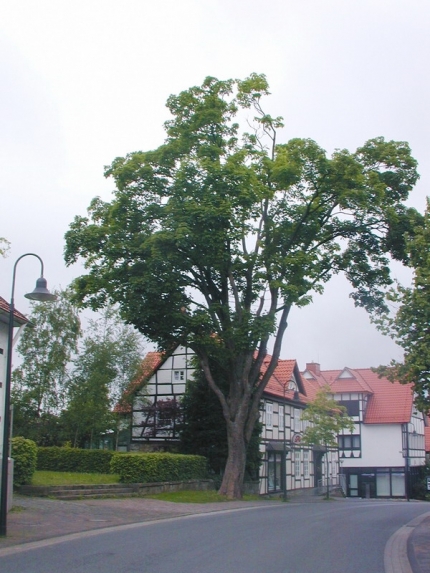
(380, 458)
(19, 320)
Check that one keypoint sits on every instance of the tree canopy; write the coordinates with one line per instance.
(4, 246)
(109, 359)
(47, 346)
(409, 325)
(211, 238)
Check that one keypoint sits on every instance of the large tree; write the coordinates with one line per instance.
(409, 324)
(212, 238)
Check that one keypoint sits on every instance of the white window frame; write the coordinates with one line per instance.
(306, 472)
(281, 416)
(297, 468)
(297, 420)
(269, 415)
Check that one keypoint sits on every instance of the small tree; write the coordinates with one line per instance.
(110, 358)
(4, 247)
(46, 346)
(328, 418)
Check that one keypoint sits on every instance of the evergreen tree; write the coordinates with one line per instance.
(204, 429)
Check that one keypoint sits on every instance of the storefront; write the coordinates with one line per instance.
(375, 482)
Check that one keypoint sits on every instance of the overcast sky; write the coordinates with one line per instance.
(86, 81)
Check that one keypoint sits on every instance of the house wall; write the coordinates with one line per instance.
(166, 385)
(300, 464)
(3, 359)
(381, 445)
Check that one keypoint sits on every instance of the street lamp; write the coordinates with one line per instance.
(41, 294)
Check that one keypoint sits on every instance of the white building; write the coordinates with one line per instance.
(19, 320)
(382, 455)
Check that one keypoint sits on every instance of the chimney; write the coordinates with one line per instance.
(314, 367)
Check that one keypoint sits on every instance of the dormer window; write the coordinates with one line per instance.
(346, 374)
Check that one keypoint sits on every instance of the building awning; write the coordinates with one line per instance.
(273, 446)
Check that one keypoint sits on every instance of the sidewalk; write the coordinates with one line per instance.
(35, 519)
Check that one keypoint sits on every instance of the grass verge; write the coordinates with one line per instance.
(209, 496)
(46, 478)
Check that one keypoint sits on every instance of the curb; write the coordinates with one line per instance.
(396, 550)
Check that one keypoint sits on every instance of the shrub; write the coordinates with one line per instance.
(24, 454)
(158, 467)
(74, 460)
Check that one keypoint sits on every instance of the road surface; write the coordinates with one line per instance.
(332, 537)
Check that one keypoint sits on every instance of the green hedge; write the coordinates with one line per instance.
(74, 460)
(150, 468)
(24, 454)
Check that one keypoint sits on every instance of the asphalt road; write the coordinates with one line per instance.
(345, 537)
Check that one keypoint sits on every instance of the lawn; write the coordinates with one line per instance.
(209, 496)
(45, 478)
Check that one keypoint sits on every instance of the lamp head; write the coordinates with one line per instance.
(41, 292)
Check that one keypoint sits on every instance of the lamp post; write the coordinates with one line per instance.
(41, 294)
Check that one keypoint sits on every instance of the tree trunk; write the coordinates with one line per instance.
(232, 482)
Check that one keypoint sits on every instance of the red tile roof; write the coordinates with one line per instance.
(388, 403)
(19, 317)
(284, 372)
(150, 364)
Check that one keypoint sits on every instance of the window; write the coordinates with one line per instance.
(274, 467)
(306, 464)
(351, 442)
(297, 472)
(352, 407)
(269, 416)
(297, 420)
(179, 375)
(281, 418)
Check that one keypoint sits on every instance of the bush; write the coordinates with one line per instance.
(150, 468)
(74, 460)
(24, 454)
